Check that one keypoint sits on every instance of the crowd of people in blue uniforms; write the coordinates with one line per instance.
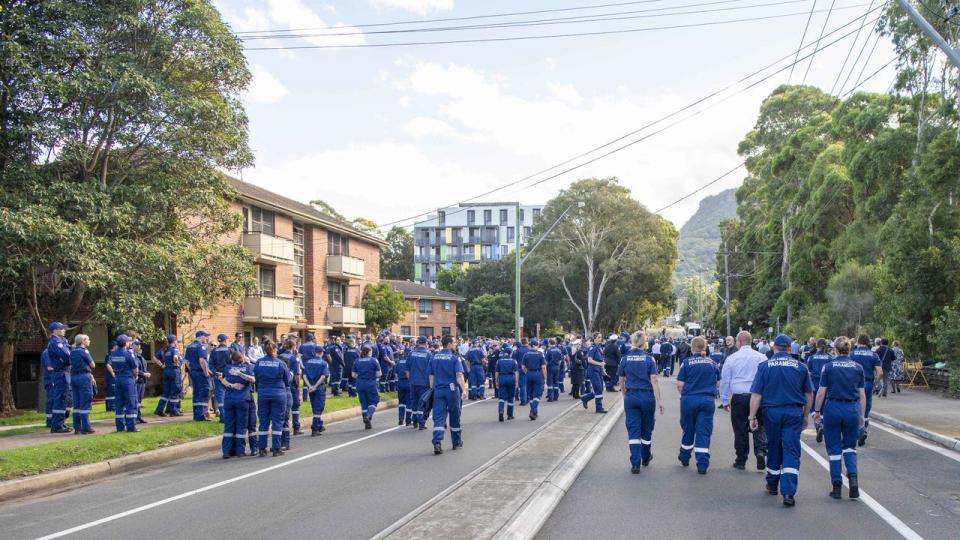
(258, 398)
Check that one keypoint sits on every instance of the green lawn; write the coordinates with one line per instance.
(99, 412)
(73, 450)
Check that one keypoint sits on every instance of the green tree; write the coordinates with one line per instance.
(115, 120)
(697, 299)
(328, 209)
(396, 260)
(604, 262)
(451, 279)
(491, 315)
(383, 306)
(365, 225)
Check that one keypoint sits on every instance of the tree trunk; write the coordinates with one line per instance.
(7, 404)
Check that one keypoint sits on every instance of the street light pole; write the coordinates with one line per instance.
(516, 251)
(516, 314)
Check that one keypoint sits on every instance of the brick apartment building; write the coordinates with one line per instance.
(311, 270)
(434, 311)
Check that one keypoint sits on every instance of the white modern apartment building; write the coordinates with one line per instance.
(470, 233)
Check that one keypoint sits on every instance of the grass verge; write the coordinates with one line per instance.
(74, 450)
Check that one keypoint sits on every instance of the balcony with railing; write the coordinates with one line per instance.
(269, 248)
(268, 309)
(428, 258)
(344, 267)
(341, 316)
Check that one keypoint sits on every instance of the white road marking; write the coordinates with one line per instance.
(916, 440)
(892, 520)
(228, 481)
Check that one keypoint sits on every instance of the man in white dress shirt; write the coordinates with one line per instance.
(736, 378)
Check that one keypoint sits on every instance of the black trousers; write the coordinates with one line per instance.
(611, 370)
(739, 414)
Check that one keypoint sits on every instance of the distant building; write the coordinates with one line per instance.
(434, 311)
(470, 233)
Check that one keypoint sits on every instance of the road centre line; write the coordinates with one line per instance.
(228, 481)
(892, 520)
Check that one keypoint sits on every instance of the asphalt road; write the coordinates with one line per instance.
(362, 483)
(917, 485)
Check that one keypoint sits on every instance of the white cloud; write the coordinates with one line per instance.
(425, 125)
(545, 129)
(264, 88)
(398, 179)
(420, 7)
(293, 14)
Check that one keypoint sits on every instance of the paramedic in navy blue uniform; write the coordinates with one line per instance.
(841, 402)
(640, 387)
(783, 388)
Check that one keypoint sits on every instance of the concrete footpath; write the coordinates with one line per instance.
(512, 495)
(102, 427)
(57, 481)
(928, 415)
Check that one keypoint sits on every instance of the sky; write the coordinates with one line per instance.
(391, 132)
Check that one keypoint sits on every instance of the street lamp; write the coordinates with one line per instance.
(520, 261)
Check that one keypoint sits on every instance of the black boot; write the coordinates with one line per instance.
(837, 488)
(501, 417)
(263, 452)
(437, 449)
(854, 486)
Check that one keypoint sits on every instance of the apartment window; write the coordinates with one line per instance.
(488, 252)
(299, 271)
(487, 216)
(336, 293)
(426, 331)
(337, 244)
(266, 280)
(526, 234)
(261, 221)
(404, 330)
(441, 218)
(446, 305)
(471, 216)
(536, 214)
(503, 217)
(503, 250)
(445, 330)
(521, 216)
(425, 306)
(509, 234)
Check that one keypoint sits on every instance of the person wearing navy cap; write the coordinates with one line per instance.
(402, 371)
(315, 374)
(336, 362)
(109, 383)
(142, 376)
(366, 371)
(236, 382)
(554, 356)
(534, 366)
(697, 383)
(506, 376)
(350, 355)
(418, 363)
(126, 371)
(172, 382)
(449, 389)
(594, 375)
(475, 359)
(841, 402)
(196, 357)
(640, 386)
(219, 359)
(872, 371)
(783, 388)
(522, 348)
(58, 359)
(81, 378)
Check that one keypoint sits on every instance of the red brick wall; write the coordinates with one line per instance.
(438, 319)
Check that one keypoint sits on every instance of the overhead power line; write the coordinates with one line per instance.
(602, 17)
(625, 136)
(853, 44)
(539, 36)
(467, 18)
(803, 38)
(822, 28)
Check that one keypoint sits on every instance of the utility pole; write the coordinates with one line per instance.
(952, 53)
(516, 250)
(726, 291)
